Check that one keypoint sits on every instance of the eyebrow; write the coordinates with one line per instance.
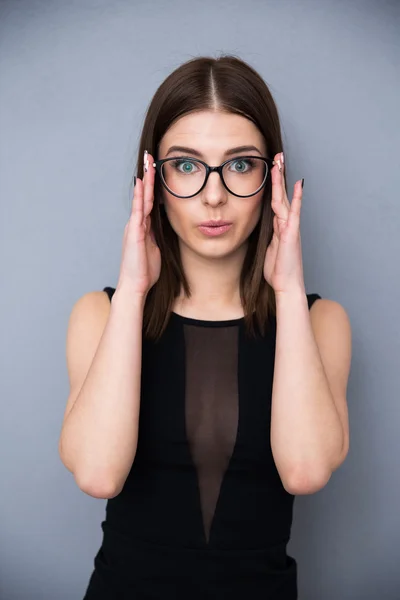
(229, 152)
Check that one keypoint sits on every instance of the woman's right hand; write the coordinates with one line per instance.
(141, 257)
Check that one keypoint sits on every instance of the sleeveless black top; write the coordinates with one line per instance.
(203, 512)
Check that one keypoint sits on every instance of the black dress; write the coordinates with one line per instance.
(203, 512)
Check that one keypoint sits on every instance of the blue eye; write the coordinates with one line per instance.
(249, 161)
(177, 163)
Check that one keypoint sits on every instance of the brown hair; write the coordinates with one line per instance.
(224, 84)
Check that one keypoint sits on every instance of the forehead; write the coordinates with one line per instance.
(212, 132)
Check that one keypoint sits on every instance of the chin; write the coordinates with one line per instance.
(216, 249)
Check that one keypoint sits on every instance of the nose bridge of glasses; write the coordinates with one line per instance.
(216, 169)
(219, 171)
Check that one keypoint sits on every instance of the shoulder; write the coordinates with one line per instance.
(330, 322)
(86, 325)
(91, 304)
(332, 332)
(88, 317)
(326, 310)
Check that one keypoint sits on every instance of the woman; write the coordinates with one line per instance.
(205, 391)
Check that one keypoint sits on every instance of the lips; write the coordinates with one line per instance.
(215, 223)
(215, 230)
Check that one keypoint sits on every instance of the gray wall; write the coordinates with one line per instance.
(75, 80)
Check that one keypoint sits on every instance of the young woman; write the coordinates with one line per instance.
(205, 391)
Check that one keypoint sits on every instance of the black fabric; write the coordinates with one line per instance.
(203, 512)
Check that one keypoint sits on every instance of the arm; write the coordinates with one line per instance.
(309, 423)
(99, 434)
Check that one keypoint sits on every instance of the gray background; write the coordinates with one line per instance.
(76, 78)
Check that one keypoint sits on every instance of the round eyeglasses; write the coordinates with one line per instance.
(185, 177)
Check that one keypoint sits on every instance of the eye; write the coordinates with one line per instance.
(188, 165)
(242, 164)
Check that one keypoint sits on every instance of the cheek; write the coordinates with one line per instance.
(178, 216)
(252, 215)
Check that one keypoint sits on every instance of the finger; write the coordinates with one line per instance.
(148, 180)
(150, 231)
(280, 203)
(137, 202)
(285, 196)
(276, 226)
(295, 207)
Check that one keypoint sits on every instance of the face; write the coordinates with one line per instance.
(212, 134)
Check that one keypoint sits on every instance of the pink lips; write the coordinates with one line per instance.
(215, 230)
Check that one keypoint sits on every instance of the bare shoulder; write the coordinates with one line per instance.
(325, 307)
(87, 321)
(330, 321)
(88, 315)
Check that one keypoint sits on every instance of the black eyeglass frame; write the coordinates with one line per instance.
(159, 163)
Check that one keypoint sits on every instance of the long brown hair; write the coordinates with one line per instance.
(224, 84)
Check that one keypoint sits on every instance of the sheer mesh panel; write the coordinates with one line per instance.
(212, 407)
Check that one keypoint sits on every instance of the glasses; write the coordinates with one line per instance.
(185, 177)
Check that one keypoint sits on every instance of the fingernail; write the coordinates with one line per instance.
(279, 165)
(302, 183)
(283, 158)
(134, 181)
(145, 161)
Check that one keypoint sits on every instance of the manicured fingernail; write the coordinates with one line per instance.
(283, 158)
(145, 161)
(302, 183)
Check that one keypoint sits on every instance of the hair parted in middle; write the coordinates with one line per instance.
(224, 84)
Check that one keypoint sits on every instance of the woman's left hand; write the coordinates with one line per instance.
(283, 266)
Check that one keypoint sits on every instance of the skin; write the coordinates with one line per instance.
(212, 265)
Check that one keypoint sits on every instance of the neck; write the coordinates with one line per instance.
(214, 282)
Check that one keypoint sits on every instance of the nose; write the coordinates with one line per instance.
(214, 192)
